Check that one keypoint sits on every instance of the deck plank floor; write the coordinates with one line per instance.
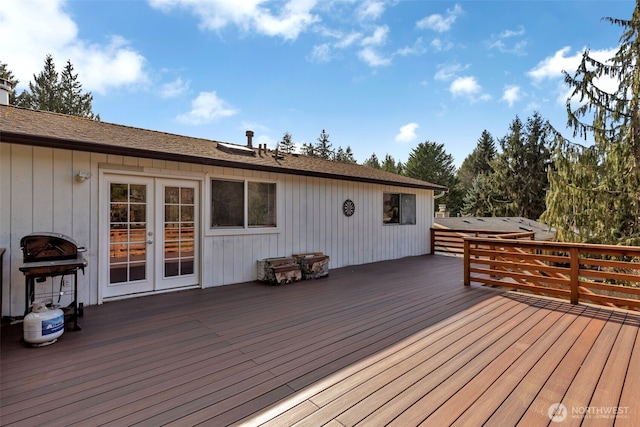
(392, 343)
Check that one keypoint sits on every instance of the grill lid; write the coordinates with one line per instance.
(44, 246)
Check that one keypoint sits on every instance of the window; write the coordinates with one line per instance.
(398, 208)
(233, 201)
(262, 204)
(227, 203)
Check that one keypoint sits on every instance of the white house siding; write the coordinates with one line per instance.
(38, 192)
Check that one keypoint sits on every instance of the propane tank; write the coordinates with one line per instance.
(43, 326)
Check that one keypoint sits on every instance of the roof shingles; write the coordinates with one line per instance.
(23, 126)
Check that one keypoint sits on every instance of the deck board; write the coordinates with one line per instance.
(400, 342)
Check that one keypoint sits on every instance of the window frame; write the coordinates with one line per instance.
(245, 228)
(402, 218)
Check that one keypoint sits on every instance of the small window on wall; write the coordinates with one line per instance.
(399, 208)
(230, 207)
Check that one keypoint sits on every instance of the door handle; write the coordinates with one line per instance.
(149, 242)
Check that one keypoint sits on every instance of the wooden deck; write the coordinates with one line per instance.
(400, 342)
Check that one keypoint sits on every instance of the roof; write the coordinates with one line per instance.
(41, 128)
(508, 224)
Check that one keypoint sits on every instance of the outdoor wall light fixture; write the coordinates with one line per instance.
(82, 176)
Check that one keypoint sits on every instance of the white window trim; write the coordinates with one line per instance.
(245, 230)
(399, 223)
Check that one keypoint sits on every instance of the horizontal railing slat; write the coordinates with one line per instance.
(540, 267)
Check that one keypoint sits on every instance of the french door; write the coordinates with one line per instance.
(151, 235)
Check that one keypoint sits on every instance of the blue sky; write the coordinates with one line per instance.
(378, 76)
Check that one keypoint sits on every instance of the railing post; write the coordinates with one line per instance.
(467, 262)
(574, 261)
(433, 240)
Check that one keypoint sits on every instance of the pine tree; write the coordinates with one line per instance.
(519, 176)
(287, 145)
(308, 149)
(323, 147)
(485, 152)
(7, 75)
(345, 156)
(44, 92)
(372, 162)
(390, 165)
(63, 95)
(430, 162)
(476, 163)
(72, 100)
(595, 190)
(479, 199)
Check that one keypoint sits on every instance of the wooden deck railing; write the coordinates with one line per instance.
(599, 274)
(445, 241)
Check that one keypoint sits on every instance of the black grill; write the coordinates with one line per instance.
(49, 255)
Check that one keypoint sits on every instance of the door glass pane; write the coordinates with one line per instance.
(179, 239)
(187, 196)
(127, 229)
(172, 213)
(171, 195)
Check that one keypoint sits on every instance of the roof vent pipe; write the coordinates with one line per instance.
(249, 134)
(5, 90)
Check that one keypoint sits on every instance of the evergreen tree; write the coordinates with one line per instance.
(308, 149)
(63, 95)
(345, 156)
(519, 176)
(43, 93)
(323, 147)
(476, 163)
(7, 75)
(595, 190)
(287, 145)
(479, 199)
(372, 162)
(390, 165)
(72, 100)
(430, 162)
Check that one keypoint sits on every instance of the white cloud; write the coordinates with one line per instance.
(512, 33)
(407, 133)
(552, 66)
(44, 27)
(369, 54)
(448, 72)
(518, 48)
(370, 10)
(174, 89)
(292, 18)
(468, 87)
(348, 40)
(465, 86)
(551, 69)
(320, 53)
(416, 49)
(439, 23)
(373, 58)
(440, 46)
(511, 94)
(379, 37)
(501, 42)
(103, 67)
(324, 52)
(205, 108)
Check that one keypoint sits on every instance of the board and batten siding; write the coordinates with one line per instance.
(38, 192)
